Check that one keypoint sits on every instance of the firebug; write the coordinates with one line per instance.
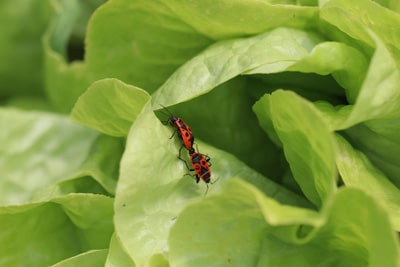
(182, 129)
(201, 166)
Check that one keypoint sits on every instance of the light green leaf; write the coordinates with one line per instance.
(153, 187)
(360, 231)
(335, 116)
(110, 106)
(255, 230)
(357, 171)
(276, 50)
(307, 142)
(390, 4)
(98, 174)
(44, 233)
(92, 216)
(102, 162)
(213, 120)
(228, 229)
(347, 65)
(354, 235)
(381, 148)
(139, 42)
(355, 17)
(262, 108)
(36, 235)
(158, 260)
(21, 66)
(65, 81)
(232, 18)
(39, 149)
(379, 96)
(93, 258)
(117, 256)
(144, 55)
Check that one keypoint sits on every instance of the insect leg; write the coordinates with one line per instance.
(205, 193)
(179, 157)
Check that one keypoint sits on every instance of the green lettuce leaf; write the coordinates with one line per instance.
(357, 171)
(97, 174)
(379, 96)
(275, 155)
(153, 188)
(141, 57)
(91, 258)
(221, 21)
(223, 127)
(110, 106)
(259, 231)
(276, 49)
(117, 255)
(356, 18)
(151, 42)
(307, 142)
(346, 64)
(21, 65)
(39, 149)
(64, 80)
(381, 149)
(44, 233)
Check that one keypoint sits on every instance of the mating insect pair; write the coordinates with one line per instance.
(200, 163)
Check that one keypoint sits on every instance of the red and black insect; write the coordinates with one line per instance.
(201, 166)
(182, 129)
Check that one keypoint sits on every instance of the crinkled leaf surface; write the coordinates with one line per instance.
(377, 106)
(347, 65)
(224, 60)
(153, 188)
(278, 50)
(307, 142)
(318, 49)
(354, 235)
(65, 81)
(379, 96)
(246, 230)
(110, 106)
(381, 149)
(98, 173)
(335, 116)
(140, 42)
(237, 18)
(44, 233)
(357, 171)
(213, 120)
(102, 162)
(39, 149)
(228, 229)
(91, 214)
(36, 235)
(355, 17)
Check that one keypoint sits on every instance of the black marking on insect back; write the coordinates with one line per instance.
(205, 174)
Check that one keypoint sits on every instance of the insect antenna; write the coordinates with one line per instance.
(164, 111)
(167, 113)
(216, 180)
